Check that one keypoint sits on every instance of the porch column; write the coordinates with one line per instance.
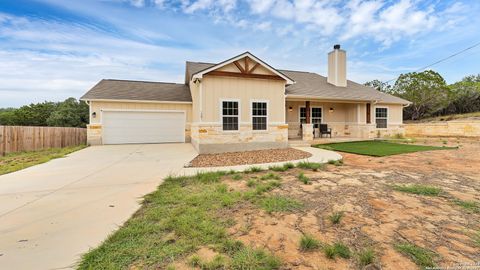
(307, 112)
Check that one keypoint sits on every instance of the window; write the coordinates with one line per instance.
(316, 115)
(303, 115)
(259, 115)
(381, 115)
(230, 115)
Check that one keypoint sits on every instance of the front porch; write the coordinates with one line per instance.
(348, 121)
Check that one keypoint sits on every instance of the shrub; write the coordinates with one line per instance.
(310, 165)
(418, 189)
(303, 179)
(308, 242)
(336, 217)
(422, 257)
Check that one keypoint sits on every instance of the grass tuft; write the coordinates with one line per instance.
(253, 169)
(278, 203)
(269, 176)
(422, 257)
(336, 217)
(418, 189)
(470, 206)
(251, 182)
(308, 242)
(289, 165)
(249, 258)
(366, 257)
(278, 168)
(310, 165)
(237, 177)
(304, 179)
(338, 249)
(336, 162)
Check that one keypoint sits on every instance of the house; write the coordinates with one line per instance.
(241, 104)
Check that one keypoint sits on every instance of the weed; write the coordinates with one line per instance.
(308, 242)
(269, 176)
(304, 179)
(264, 187)
(470, 206)
(253, 169)
(195, 261)
(289, 165)
(476, 238)
(419, 189)
(249, 258)
(338, 249)
(237, 176)
(336, 217)
(231, 247)
(278, 168)
(422, 257)
(366, 256)
(336, 162)
(251, 182)
(278, 203)
(209, 177)
(310, 165)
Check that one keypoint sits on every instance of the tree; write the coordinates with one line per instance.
(464, 96)
(33, 114)
(69, 113)
(380, 86)
(427, 91)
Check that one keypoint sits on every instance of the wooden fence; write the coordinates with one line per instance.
(19, 138)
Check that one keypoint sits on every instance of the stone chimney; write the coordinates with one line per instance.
(337, 67)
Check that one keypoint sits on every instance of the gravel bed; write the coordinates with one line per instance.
(248, 157)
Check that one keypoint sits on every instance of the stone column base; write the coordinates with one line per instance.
(307, 132)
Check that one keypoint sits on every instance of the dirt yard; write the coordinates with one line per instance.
(375, 215)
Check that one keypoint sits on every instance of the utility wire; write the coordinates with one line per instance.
(441, 60)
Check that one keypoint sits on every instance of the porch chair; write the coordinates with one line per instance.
(324, 129)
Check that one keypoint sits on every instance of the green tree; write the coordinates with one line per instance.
(380, 86)
(427, 90)
(33, 114)
(69, 113)
(464, 96)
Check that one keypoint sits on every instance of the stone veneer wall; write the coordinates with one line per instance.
(210, 138)
(366, 131)
(470, 128)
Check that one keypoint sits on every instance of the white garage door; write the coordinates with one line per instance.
(121, 127)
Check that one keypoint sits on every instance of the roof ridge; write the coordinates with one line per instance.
(140, 81)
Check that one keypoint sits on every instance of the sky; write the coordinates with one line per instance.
(55, 49)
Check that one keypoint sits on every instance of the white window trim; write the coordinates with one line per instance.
(311, 107)
(386, 118)
(268, 113)
(221, 113)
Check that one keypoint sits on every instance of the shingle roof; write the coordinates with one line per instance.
(314, 85)
(139, 90)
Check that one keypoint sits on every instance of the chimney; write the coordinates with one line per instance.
(337, 67)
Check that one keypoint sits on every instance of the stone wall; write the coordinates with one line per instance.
(210, 138)
(463, 128)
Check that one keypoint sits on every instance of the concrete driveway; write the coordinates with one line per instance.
(52, 213)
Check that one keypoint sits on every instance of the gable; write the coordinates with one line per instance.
(244, 65)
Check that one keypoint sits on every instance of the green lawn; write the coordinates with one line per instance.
(18, 161)
(378, 148)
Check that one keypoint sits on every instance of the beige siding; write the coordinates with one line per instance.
(195, 90)
(339, 113)
(395, 113)
(245, 90)
(97, 106)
